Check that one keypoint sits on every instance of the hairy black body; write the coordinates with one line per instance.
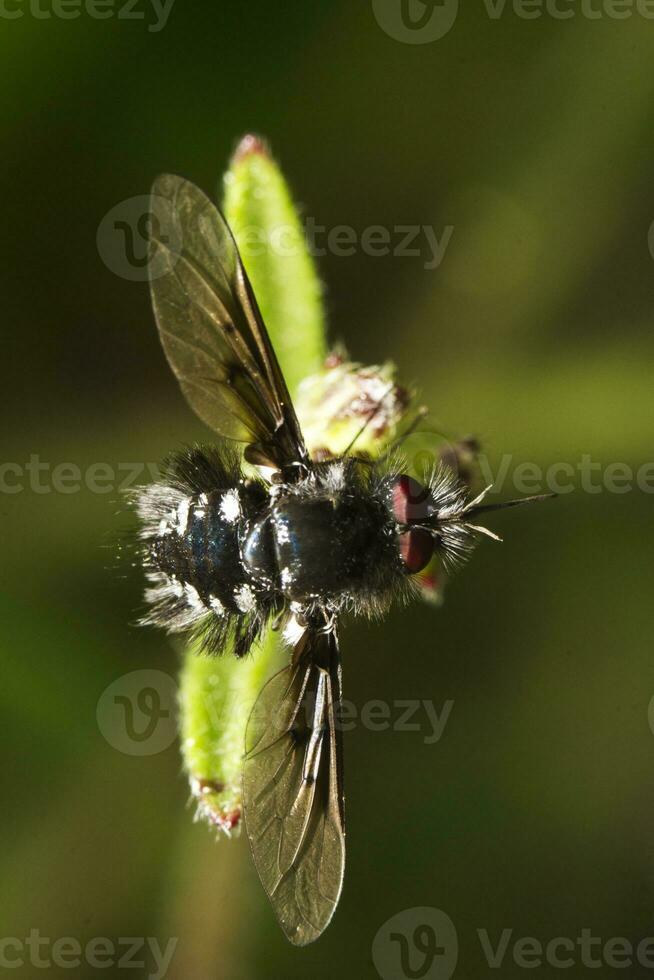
(225, 552)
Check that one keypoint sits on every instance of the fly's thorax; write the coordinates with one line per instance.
(331, 544)
(258, 551)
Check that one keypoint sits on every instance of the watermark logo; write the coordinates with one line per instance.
(416, 21)
(136, 713)
(125, 238)
(416, 944)
(650, 714)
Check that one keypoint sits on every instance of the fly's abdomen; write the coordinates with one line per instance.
(193, 554)
(197, 546)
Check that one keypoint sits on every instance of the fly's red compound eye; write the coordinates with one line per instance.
(416, 549)
(410, 500)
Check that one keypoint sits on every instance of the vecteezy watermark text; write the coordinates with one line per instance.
(400, 241)
(585, 475)
(136, 713)
(156, 12)
(142, 953)
(425, 21)
(125, 239)
(423, 942)
(403, 715)
(38, 476)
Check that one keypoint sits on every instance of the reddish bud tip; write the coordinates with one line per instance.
(334, 359)
(249, 145)
(232, 819)
(225, 821)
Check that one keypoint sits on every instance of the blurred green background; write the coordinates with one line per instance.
(533, 139)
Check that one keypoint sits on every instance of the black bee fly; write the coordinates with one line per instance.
(227, 554)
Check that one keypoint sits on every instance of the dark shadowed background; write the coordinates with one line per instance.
(532, 138)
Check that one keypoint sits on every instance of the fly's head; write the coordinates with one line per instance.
(437, 517)
(431, 518)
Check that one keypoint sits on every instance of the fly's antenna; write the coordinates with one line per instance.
(453, 522)
(369, 418)
(476, 507)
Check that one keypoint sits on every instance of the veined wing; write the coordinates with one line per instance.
(211, 328)
(293, 788)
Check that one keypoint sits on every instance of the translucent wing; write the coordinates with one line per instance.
(293, 788)
(211, 328)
